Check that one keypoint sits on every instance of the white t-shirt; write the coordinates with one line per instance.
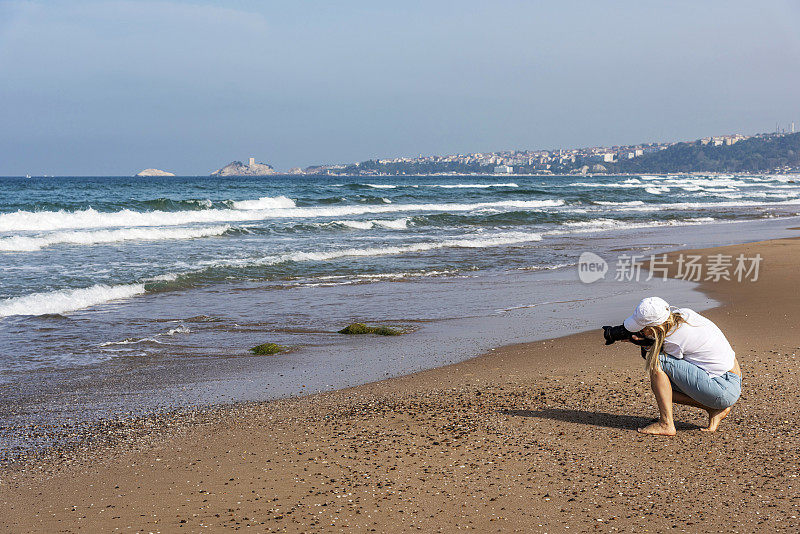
(701, 342)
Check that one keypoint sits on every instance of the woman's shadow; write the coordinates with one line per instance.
(608, 420)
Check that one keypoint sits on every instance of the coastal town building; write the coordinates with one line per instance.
(519, 161)
(720, 140)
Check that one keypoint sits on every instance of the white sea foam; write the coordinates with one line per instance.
(341, 280)
(597, 225)
(474, 241)
(790, 187)
(167, 277)
(443, 186)
(358, 225)
(264, 203)
(780, 195)
(657, 190)
(783, 178)
(721, 190)
(90, 218)
(677, 206)
(33, 243)
(66, 300)
(470, 186)
(611, 203)
(394, 224)
(612, 185)
(132, 341)
(507, 238)
(685, 183)
(179, 330)
(182, 329)
(552, 267)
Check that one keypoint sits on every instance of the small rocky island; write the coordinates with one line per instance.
(237, 168)
(153, 172)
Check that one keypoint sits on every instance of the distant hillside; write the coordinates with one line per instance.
(757, 154)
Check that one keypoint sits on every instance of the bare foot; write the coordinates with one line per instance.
(715, 417)
(658, 428)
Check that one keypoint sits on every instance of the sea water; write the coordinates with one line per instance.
(122, 293)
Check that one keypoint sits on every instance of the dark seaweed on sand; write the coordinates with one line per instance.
(268, 348)
(361, 328)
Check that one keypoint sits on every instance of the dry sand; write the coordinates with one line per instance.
(537, 437)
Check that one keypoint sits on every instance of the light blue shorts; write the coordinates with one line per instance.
(716, 393)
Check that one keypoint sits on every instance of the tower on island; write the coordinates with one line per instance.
(252, 161)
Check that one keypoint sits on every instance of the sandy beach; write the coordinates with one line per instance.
(537, 437)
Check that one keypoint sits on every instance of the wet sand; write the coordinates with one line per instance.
(535, 437)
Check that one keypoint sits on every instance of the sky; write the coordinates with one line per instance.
(112, 87)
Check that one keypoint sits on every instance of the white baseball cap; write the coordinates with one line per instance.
(650, 311)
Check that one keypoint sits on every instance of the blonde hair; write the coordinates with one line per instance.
(659, 332)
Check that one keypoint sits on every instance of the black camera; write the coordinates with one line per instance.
(613, 334)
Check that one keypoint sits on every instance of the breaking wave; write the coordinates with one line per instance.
(264, 203)
(29, 244)
(392, 224)
(90, 218)
(67, 300)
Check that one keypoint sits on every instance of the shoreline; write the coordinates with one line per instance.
(86, 433)
(404, 409)
(470, 316)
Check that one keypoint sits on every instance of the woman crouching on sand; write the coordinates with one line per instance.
(690, 362)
